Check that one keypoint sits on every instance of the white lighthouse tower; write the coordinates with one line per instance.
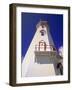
(41, 58)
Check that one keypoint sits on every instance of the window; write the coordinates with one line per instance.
(42, 45)
(42, 32)
(42, 26)
(54, 48)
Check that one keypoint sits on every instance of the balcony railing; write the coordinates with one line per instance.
(45, 48)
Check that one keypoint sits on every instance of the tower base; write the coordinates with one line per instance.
(37, 70)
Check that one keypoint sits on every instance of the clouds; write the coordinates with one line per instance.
(60, 51)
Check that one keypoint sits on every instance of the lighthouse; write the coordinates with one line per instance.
(42, 57)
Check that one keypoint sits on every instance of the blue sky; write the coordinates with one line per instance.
(28, 28)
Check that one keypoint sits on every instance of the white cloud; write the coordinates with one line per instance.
(61, 51)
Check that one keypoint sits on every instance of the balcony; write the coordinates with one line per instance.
(48, 51)
(45, 50)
